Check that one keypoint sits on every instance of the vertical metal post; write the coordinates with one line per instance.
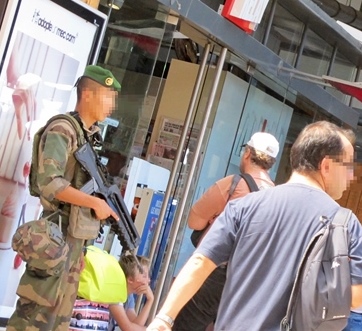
(301, 46)
(332, 60)
(190, 178)
(270, 21)
(179, 152)
(356, 79)
(189, 114)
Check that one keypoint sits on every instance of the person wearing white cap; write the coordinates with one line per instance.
(265, 143)
(258, 157)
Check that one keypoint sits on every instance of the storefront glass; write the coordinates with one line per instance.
(245, 104)
(316, 55)
(285, 35)
(342, 69)
(130, 49)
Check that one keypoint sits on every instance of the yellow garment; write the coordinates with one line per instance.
(102, 280)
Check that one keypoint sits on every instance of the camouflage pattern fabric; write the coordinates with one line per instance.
(38, 289)
(40, 243)
(57, 165)
(30, 316)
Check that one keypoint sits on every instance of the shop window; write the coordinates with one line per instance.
(130, 49)
(316, 55)
(343, 69)
(355, 103)
(285, 34)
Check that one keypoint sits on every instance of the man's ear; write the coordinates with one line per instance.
(247, 153)
(86, 93)
(325, 166)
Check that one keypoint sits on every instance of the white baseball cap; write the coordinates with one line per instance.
(265, 143)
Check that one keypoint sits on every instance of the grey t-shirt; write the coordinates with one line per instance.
(263, 236)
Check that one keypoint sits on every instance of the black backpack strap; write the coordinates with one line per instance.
(196, 234)
(249, 181)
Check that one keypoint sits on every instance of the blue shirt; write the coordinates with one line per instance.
(263, 236)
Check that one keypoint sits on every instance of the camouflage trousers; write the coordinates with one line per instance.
(30, 316)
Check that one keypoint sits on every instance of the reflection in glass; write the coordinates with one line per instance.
(343, 69)
(316, 55)
(285, 35)
(355, 103)
(130, 49)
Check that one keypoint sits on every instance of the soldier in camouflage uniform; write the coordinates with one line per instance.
(49, 295)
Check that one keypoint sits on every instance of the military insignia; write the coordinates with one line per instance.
(109, 81)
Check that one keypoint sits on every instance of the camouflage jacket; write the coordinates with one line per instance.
(56, 160)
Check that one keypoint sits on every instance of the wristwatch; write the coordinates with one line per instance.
(166, 319)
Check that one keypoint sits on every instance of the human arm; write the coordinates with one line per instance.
(76, 197)
(355, 255)
(119, 314)
(208, 207)
(215, 249)
(55, 164)
(142, 317)
(356, 296)
(186, 284)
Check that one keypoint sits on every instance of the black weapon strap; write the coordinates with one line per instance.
(75, 115)
(97, 140)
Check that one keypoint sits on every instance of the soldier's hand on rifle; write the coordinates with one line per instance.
(103, 210)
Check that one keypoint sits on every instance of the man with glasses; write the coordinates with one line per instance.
(264, 235)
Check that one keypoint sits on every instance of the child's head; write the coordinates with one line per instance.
(130, 268)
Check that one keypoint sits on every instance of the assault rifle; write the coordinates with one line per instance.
(98, 186)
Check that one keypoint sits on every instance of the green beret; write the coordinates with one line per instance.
(102, 76)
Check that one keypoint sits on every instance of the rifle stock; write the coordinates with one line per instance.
(98, 185)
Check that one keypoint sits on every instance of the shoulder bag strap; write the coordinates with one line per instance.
(249, 181)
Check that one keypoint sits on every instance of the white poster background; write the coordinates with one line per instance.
(56, 27)
(48, 50)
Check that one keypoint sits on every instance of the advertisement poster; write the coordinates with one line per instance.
(164, 150)
(46, 51)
